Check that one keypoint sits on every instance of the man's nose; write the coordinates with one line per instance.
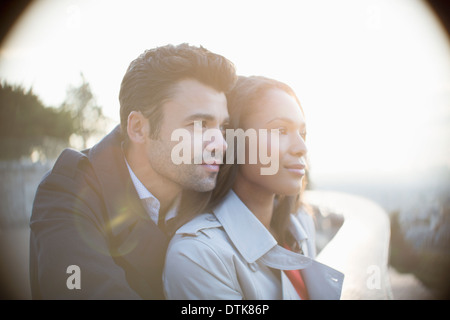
(216, 142)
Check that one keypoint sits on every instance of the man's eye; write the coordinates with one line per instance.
(197, 124)
(223, 128)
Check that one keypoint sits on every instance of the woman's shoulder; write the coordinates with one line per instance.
(202, 234)
(200, 260)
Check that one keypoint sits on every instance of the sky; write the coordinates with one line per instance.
(373, 76)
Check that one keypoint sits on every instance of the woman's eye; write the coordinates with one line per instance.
(282, 130)
(303, 135)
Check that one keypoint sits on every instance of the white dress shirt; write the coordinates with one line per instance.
(150, 202)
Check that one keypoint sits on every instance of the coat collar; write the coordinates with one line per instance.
(247, 233)
(255, 244)
(122, 202)
(253, 240)
(136, 240)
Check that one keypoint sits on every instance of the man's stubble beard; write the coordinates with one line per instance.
(187, 176)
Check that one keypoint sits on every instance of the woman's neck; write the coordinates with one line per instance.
(259, 201)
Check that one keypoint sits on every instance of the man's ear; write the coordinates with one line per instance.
(137, 127)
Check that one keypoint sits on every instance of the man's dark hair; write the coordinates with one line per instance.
(149, 80)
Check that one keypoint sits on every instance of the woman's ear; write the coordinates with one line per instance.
(137, 127)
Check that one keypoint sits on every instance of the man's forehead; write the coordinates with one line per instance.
(191, 88)
(205, 105)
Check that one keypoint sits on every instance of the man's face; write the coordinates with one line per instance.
(192, 102)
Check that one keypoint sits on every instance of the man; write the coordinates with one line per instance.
(98, 220)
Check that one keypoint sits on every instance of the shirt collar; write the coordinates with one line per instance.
(173, 211)
(152, 203)
(142, 191)
(252, 239)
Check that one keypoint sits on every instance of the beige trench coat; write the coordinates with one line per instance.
(229, 254)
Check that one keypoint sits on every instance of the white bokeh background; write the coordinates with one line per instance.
(373, 76)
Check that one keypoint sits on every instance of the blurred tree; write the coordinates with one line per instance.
(26, 124)
(87, 115)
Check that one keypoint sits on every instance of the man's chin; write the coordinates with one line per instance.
(206, 184)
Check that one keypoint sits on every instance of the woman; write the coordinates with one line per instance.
(256, 241)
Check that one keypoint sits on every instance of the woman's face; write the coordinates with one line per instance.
(276, 110)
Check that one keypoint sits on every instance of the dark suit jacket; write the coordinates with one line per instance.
(87, 213)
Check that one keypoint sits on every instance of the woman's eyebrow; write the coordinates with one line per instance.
(282, 119)
(289, 120)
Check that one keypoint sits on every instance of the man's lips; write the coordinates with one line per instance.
(213, 166)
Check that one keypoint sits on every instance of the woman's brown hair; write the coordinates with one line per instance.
(242, 100)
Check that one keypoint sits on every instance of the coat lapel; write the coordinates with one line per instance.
(136, 242)
(121, 201)
(322, 282)
(288, 290)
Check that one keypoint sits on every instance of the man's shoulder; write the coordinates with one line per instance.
(71, 166)
(70, 161)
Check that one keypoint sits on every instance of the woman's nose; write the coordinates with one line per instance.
(298, 146)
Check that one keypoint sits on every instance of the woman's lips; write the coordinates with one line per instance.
(297, 169)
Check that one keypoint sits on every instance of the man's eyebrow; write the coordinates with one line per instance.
(205, 117)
